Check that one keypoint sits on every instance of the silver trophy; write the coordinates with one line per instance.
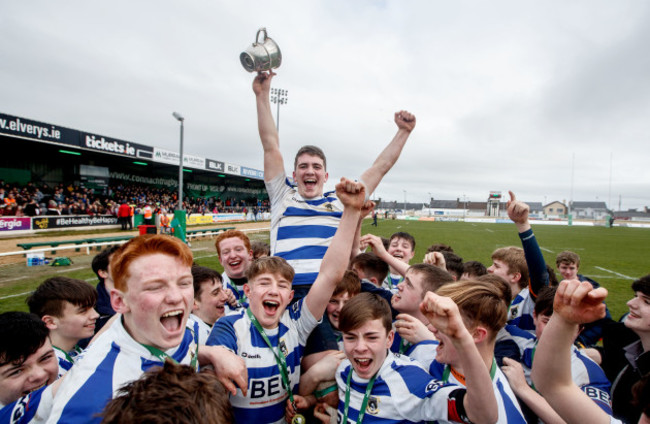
(262, 55)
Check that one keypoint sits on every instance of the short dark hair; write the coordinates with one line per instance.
(362, 308)
(101, 260)
(474, 268)
(440, 247)
(544, 301)
(201, 274)
(312, 151)
(405, 236)
(260, 248)
(171, 394)
(371, 265)
(567, 257)
(453, 263)
(350, 284)
(22, 334)
(434, 277)
(49, 298)
(642, 285)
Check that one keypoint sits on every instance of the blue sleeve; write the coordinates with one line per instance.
(386, 294)
(537, 271)
(223, 334)
(506, 349)
(23, 410)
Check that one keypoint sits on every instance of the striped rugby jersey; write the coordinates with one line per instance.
(111, 361)
(266, 398)
(403, 392)
(585, 373)
(509, 409)
(301, 230)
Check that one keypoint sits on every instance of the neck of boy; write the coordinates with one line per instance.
(645, 341)
(62, 343)
(486, 354)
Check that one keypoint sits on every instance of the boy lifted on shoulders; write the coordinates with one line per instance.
(270, 338)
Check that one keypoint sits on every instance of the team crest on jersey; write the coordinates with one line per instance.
(513, 312)
(20, 409)
(328, 206)
(283, 348)
(296, 307)
(373, 405)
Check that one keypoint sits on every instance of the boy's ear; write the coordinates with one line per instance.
(479, 334)
(102, 273)
(247, 289)
(195, 306)
(516, 277)
(390, 338)
(118, 302)
(50, 321)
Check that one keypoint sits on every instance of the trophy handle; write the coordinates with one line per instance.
(257, 37)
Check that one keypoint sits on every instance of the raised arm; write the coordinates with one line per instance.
(378, 247)
(480, 402)
(367, 208)
(538, 274)
(273, 162)
(575, 303)
(335, 262)
(372, 176)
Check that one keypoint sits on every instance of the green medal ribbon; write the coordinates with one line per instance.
(162, 356)
(282, 363)
(67, 355)
(404, 345)
(364, 403)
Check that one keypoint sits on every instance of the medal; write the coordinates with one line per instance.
(298, 419)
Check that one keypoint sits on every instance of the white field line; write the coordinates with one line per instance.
(70, 269)
(14, 295)
(488, 230)
(206, 256)
(546, 250)
(14, 279)
(200, 248)
(627, 277)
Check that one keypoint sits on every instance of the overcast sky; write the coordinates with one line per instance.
(523, 95)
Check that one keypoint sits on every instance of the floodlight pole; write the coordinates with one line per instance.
(180, 118)
(279, 97)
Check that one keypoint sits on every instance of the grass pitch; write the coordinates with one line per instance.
(612, 256)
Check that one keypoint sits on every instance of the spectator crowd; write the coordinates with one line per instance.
(68, 199)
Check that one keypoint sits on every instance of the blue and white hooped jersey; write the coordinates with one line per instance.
(111, 361)
(265, 401)
(301, 230)
(585, 373)
(32, 408)
(239, 294)
(403, 392)
(200, 329)
(423, 352)
(65, 362)
(509, 409)
(391, 281)
(521, 310)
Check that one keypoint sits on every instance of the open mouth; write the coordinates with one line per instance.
(363, 365)
(270, 307)
(310, 183)
(26, 392)
(172, 320)
(234, 263)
